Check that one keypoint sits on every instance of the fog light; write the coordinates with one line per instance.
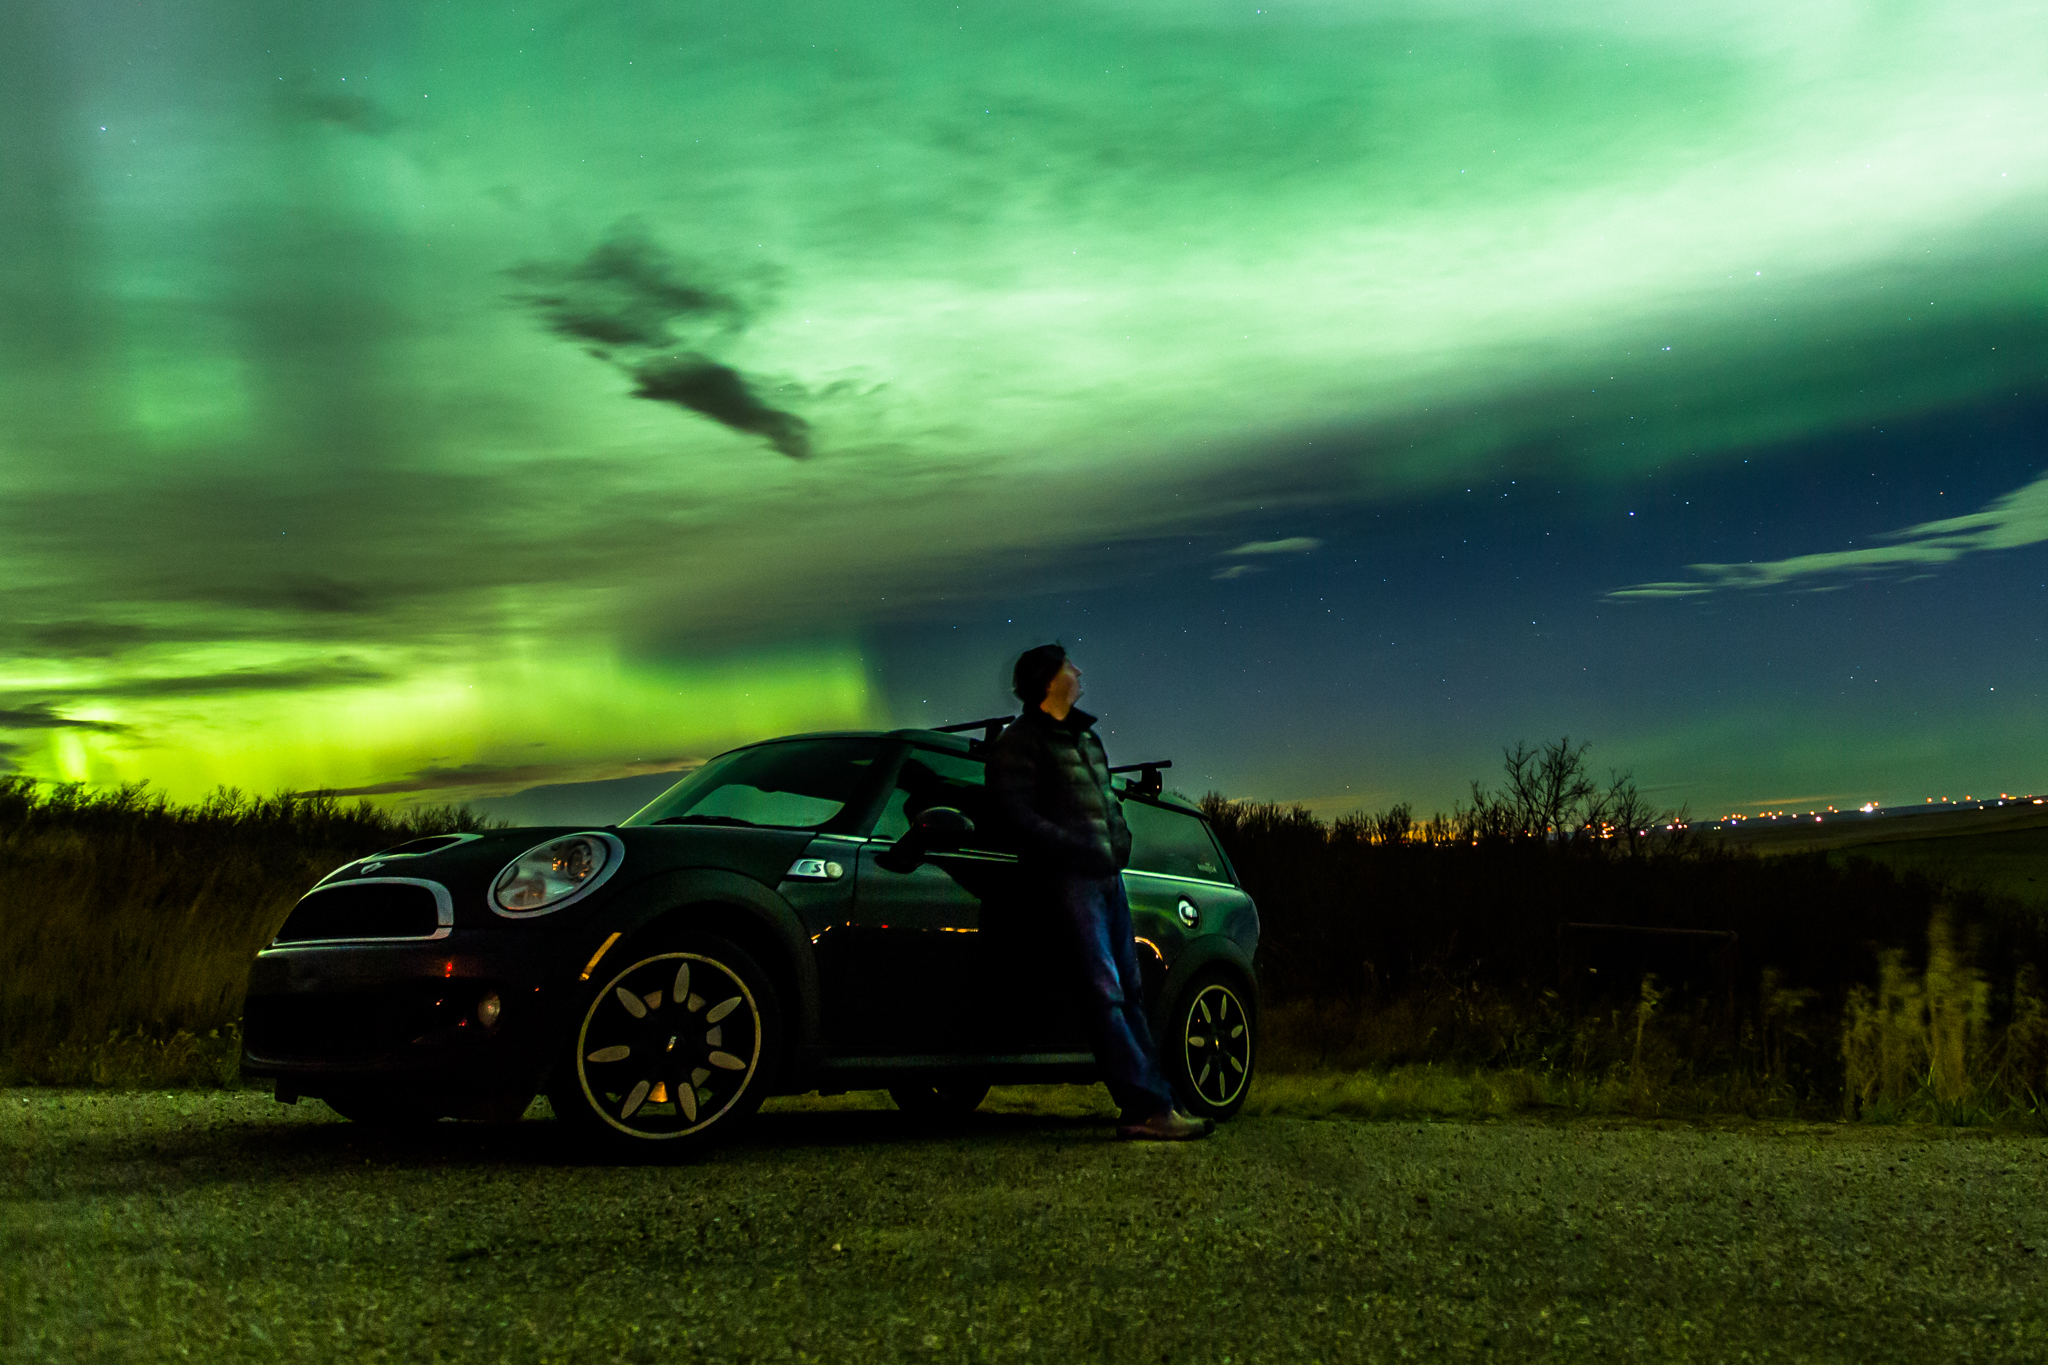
(488, 1009)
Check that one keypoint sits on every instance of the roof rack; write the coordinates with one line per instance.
(989, 727)
(1149, 782)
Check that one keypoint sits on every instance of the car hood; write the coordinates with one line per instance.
(469, 868)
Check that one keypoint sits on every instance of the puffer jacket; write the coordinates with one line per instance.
(1049, 781)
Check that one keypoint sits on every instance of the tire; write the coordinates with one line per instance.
(1210, 1043)
(382, 1111)
(947, 1099)
(652, 1075)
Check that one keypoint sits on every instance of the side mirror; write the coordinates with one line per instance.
(938, 830)
(942, 828)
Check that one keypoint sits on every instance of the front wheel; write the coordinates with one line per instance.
(673, 1051)
(1211, 1044)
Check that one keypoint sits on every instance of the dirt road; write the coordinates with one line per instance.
(225, 1227)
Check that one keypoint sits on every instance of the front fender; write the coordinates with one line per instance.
(695, 896)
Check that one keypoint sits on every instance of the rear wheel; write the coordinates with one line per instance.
(939, 1099)
(1211, 1044)
(673, 1051)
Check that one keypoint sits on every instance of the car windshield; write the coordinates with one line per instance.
(800, 784)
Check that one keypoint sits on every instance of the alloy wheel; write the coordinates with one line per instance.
(1216, 1042)
(669, 1046)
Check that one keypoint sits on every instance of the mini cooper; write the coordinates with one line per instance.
(824, 912)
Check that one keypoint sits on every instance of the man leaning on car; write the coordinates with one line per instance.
(1049, 780)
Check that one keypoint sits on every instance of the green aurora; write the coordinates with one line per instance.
(441, 399)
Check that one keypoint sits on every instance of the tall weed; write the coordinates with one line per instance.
(1922, 1041)
(1389, 944)
(127, 922)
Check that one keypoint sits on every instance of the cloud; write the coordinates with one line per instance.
(480, 776)
(337, 673)
(627, 292)
(628, 295)
(722, 394)
(1290, 546)
(314, 593)
(339, 107)
(2019, 518)
(86, 638)
(1237, 571)
(40, 716)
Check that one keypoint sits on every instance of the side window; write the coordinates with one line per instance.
(929, 778)
(1172, 841)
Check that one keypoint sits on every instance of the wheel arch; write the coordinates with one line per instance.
(1203, 953)
(741, 909)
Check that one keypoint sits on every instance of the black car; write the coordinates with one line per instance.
(824, 912)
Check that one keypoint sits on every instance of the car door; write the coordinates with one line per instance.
(905, 976)
(1178, 884)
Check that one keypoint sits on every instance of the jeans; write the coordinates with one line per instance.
(1098, 919)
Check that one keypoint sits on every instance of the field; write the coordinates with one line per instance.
(2003, 851)
(222, 1226)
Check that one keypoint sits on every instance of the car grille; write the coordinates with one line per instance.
(343, 1028)
(370, 909)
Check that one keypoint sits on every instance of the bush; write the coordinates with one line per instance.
(1486, 942)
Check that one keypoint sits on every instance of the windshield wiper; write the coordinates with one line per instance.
(705, 820)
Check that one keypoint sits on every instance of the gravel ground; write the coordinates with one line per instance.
(226, 1227)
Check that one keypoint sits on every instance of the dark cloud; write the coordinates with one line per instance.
(467, 775)
(327, 595)
(722, 394)
(83, 638)
(630, 296)
(313, 593)
(626, 293)
(339, 672)
(42, 716)
(337, 106)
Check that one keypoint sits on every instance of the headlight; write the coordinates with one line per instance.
(558, 872)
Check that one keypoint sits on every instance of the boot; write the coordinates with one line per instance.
(1166, 1127)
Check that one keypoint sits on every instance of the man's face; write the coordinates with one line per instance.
(1066, 686)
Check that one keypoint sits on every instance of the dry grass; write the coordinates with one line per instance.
(1921, 1046)
(127, 923)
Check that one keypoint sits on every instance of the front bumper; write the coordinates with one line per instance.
(401, 1018)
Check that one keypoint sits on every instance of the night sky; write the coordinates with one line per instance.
(436, 401)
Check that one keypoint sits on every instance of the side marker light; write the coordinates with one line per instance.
(602, 949)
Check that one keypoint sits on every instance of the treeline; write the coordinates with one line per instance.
(1560, 925)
